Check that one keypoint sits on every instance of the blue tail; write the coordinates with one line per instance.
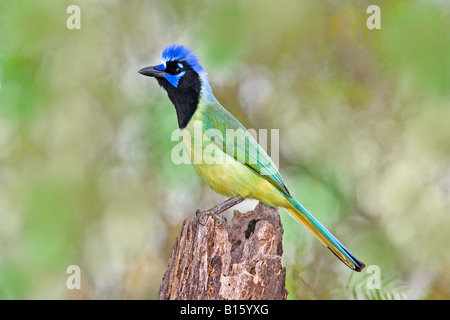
(299, 213)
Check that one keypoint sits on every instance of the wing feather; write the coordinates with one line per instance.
(236, 141)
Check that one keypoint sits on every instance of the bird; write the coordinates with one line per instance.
(245, 170)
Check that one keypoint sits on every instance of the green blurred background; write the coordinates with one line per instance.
(86, 176)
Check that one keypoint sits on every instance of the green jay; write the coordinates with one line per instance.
(235, 165)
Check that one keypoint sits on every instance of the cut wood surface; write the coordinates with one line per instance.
(240, 259)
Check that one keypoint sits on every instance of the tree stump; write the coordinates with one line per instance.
(239, 260)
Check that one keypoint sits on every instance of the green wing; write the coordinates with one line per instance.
(231, 136)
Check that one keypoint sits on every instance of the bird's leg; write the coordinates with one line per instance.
(217, 210)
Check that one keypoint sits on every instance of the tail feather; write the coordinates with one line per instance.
(302, 215)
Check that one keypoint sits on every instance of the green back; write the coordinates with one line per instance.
(244, 148)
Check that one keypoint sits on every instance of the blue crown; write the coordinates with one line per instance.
(181, 53)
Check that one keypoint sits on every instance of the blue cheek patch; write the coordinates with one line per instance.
(174, 79)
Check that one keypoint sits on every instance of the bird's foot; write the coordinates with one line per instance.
(216, 211)
(215, 215)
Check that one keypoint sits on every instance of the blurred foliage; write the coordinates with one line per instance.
(86, 176)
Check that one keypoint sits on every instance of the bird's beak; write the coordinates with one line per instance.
(152, 72)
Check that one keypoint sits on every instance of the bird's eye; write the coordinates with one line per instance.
(180, 68)
(174, 67)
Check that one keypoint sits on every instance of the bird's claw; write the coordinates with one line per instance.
(223, 221)
(199, 214)
(218, 217)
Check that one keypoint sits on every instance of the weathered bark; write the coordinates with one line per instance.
(239, 260)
